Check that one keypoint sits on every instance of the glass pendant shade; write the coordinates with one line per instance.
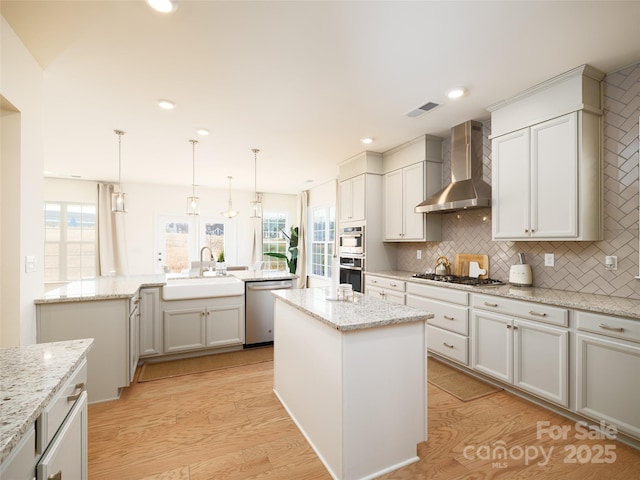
(229, 212)
(256, 205)
(118, 204)
(193, 205)
(193, 202)
(118, 197)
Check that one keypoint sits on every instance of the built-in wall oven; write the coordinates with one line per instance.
(351, 252)
(351, 270)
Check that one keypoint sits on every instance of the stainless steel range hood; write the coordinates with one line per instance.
(467, 189)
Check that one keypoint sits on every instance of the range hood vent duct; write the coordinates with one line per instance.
(467, 189)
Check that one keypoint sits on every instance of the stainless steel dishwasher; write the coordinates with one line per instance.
(258, 327)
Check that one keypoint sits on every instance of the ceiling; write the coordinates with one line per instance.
(302, 81)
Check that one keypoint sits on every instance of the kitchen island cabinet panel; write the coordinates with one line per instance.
(352, 376)
(106, 321)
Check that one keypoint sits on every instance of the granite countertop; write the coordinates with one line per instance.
(623, 307)
(29, 378)
(107, 288)
(363, 312)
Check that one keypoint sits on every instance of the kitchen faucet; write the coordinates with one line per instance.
(201, 255)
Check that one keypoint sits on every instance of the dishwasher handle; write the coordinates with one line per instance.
(267, 287)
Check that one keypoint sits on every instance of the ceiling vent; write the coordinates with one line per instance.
(416, 112)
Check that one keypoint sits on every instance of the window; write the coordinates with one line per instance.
(70, 241)
(179, 237)
(321, 236)
(274, 226)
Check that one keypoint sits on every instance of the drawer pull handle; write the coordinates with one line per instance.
(393, 284)
(72, 398)
(55, 476)
(490, 304)
(447, 345)
(607, 327)
(448, 317)
(537, 314)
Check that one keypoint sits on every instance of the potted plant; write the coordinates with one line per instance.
(292, 262)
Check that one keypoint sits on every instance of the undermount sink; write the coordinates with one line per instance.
(205, 287)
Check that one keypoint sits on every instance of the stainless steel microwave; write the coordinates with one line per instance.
(352, 240)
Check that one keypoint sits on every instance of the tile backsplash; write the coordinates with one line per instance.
(579, 266)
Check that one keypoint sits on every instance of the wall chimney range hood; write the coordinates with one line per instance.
(467, 189)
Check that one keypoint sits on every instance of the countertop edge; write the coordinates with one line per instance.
(590, 302)
(18, 433)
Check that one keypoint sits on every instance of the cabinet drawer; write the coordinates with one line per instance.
(529, 310)
(388, 283)
(447, 316)
(618, 327)
(448, 344)
(443, 294)
(54, 414)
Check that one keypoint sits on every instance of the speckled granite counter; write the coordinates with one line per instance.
(363, 312)
(101, 288)
(105, 288)
(624, 307)
(30, 376)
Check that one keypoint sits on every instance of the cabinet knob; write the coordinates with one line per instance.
(55, 476)
(508, 326)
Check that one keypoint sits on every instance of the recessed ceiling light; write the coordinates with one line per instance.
(202, 131)
(456, 92)
(164, 6)
(166, 104)
(366, 140)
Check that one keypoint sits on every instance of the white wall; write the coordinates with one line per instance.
(146, 201)
(21, 86)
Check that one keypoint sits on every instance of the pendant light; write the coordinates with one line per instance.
(256, 205)
(118, 197)
(193, 202)
(230, 212)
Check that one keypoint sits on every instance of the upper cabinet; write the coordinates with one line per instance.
(546, 165)
(406, 183)
(352, 199)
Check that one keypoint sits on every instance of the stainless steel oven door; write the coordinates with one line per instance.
(351, 269)
(352, 240)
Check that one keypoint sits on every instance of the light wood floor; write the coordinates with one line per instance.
(228, 425)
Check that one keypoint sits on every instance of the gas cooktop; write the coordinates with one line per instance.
(458, 279)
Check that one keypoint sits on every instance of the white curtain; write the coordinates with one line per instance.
(256, 240)
(112, 254)
(301, 269)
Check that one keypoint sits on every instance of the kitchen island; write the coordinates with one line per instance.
(352, 376)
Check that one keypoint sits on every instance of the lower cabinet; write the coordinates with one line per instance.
(448, 330)
(199, 324)
(385, 288)
(607, 366)
(66, 456)
(150, 322)
(528, 355)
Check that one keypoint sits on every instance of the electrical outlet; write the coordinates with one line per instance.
(611, 262)
(549, 260)
(418, 254)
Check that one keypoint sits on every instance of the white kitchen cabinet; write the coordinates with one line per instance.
(66, 456)
(448, 330)
(107, 322)
(607, 386)
(529, 355)
(352, 199)
(385, 288)
(547, 162)
(134, 335)
(205, 323)
(405, 188)
(150, 322)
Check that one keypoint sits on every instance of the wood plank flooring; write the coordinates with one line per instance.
(228, 425)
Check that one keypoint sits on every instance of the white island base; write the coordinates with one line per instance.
(358, 396)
